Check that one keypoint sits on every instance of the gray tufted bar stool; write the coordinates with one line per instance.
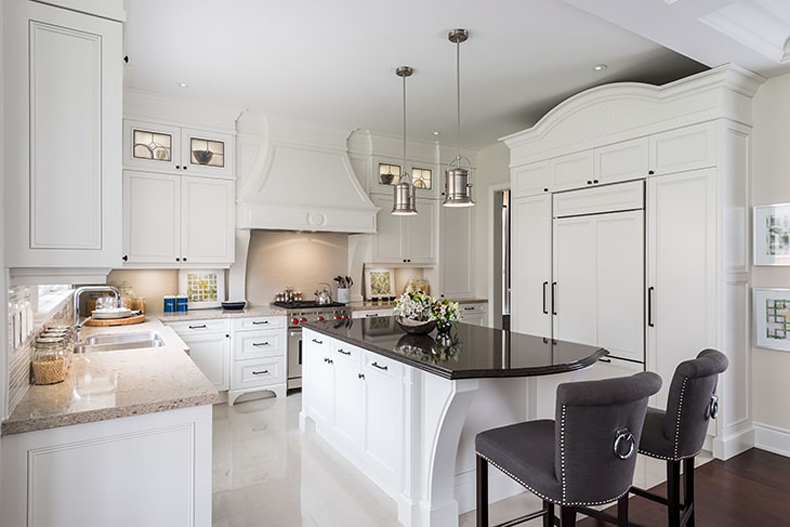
(585, 457)
(678, 434)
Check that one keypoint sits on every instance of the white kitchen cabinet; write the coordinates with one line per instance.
(532, 179)
(682, 149)
(151, 218)
(259, 356)
(572, 171)
(573, 290)
(152, 469)
(681, 270)
(159, 147)
(383, 415)
(405, 239)
(63, 102)
(455, 258)
(531, 237)
(369, 313)
(177, 220)
(318, 378)
(475, 314)
(207, 209)
(348, 400)
(209, 348)
(622, 161)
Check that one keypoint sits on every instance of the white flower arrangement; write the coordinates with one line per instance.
(419, 306)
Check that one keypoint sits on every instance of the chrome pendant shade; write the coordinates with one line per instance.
(403, 197)
(457, 178)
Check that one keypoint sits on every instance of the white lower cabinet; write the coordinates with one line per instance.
(363, 414)
(475, 314)
(211, 353)
(152, 469)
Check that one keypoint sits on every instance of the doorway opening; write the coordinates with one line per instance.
(501, 259)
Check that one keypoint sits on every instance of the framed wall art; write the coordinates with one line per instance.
(771, 318)
(772, 234)
(379, 283)
(205, 288)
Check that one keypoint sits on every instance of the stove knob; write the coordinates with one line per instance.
(295, 321)
(345, 317)
(320, 319)
(304, 320)
(337, 317)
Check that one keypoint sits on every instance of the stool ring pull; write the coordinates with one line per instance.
(624, 445)
(714, 406)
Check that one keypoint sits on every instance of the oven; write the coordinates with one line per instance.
(294, 356)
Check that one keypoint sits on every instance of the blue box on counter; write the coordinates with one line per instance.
(182, 303)
(169, 304)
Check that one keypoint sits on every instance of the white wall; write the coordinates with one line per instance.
(493, 168)
(771, 184)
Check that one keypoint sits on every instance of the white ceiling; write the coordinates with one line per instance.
(333, 62)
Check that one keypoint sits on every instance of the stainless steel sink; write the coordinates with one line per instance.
(121, 341)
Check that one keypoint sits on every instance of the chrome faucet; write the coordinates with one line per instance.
(96, 288)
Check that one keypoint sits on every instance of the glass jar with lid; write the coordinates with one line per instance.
(50, 359)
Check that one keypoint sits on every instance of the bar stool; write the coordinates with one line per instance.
(678, 434)
(585, 457)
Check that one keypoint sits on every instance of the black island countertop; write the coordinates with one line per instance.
(467, 352)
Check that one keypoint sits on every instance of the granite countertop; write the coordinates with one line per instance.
(469, 351)
(207, 314)
(106, 385)
(369, 304)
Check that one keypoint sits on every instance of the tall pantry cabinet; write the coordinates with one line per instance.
(630, 231)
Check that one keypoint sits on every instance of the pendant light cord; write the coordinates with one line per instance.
(403, 171)
(458, 95)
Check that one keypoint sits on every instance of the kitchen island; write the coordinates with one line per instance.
(405, 408)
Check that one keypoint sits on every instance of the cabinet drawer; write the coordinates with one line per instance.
(341, 350)
(470, 309)
(251, 373)
(259, 344)
(622, 161)
(195, 327)
(388, 312)
(572, 171)
(241, 324)
(684, 149)
(609, 198)
(377, 364)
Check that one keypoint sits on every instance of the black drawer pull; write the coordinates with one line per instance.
(604, 359)
(469, 309)
(260, 372)
(545, 310)
(650, 322)
(361, 376)
(202, 326)
(260, 343)
(372, 315)
(376, 365)
(259, 322)
(343, 352)
(318, 341)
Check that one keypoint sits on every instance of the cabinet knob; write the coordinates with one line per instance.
(589, 182)
(545, 190)
(178, 259)
(125, 258)
(184, 167)
(361, 376)
(650, 172)
(178, 167)
(185, 258)
(595, 181)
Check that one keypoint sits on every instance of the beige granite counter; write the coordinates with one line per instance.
(110, 384)
(208, 314)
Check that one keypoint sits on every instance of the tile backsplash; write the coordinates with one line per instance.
(21, 319)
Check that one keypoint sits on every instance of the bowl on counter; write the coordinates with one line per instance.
(234, 305)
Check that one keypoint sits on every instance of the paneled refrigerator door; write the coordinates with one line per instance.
(531, 276)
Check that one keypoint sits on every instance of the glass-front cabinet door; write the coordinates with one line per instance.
(207, 153)
(151, 146)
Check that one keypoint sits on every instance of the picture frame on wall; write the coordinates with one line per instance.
(771, 237)
(204, 288)
(771, 309)
(379, 283)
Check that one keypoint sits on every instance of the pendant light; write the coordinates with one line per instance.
(457, 179)
(404, 191)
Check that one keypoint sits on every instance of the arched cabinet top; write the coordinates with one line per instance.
(617, 112)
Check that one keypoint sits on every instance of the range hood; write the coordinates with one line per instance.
(297, 176)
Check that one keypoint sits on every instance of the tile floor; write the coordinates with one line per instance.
(267, 473)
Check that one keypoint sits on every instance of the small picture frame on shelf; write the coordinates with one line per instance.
(772, 234)
(771, 318)
(379, 283)
(204, 288)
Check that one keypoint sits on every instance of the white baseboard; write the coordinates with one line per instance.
(734, 444)
(500, 487)
(772, 438)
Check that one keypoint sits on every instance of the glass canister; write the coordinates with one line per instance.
(50, 359)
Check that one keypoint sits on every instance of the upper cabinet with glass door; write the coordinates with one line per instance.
(162, 148)
(388, 173)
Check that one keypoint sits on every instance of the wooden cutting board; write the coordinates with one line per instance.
(107, 322)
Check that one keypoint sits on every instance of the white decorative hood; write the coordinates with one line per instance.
(297, 176)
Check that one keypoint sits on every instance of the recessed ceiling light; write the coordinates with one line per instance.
(437, 133)
(600, 67)
(183, 85)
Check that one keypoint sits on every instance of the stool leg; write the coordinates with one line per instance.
(482, 492)
(673, 492)
(567, 517)
(688, 489)
(622, 511)
(548, 518)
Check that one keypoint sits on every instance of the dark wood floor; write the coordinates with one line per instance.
(750, 490)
